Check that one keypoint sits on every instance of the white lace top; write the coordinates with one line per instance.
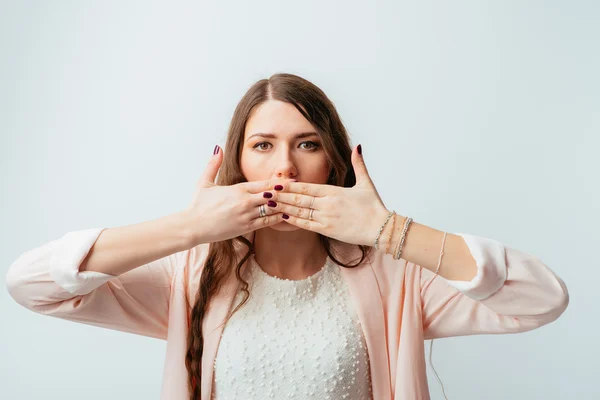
(293, 339)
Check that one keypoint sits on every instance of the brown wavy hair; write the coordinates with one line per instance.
(314, 105)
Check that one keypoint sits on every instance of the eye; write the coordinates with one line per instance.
(260, 144)
(314, 145)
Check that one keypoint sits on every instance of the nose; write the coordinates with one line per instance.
(285, 167)
(287, 174)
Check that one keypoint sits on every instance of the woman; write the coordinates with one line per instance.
(288, 277)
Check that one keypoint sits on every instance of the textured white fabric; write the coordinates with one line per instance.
(490, 257)
(72, 248)
(293, 339)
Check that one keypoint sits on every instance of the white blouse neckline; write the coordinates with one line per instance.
(256, 266)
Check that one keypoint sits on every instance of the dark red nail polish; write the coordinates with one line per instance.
(278, 187)
(271, 203)
(285, 216)
(216, 150)
(359, 149)
(267, 195)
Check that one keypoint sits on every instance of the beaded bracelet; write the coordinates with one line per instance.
(398, 243)
(387, 249)
(398, 252)
(381, 229)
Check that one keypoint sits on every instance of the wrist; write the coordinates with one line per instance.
(189, 227)
(391, 233)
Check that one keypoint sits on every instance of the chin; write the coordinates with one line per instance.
(284, 227)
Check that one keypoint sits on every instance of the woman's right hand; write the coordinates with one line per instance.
(223, 212)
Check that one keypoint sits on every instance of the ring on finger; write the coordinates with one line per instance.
(310, 214)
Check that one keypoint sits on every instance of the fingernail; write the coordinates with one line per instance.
(278, 187)
(216, 150)
(360, 149)
(271, 203)
(285, 216)
(267, 195)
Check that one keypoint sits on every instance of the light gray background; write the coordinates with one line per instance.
(474, 116)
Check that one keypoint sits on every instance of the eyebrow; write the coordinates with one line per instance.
(272, 135)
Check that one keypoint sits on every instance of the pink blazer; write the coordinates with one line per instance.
(399, 304)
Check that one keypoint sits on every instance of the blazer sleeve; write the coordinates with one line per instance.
(512, 292)
(47, 281)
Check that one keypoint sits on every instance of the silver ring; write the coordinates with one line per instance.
(310, 214)
(261, 210)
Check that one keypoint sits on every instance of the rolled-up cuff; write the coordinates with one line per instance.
(489, 254)
(66, 261)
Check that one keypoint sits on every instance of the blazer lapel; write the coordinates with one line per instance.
(366, 296)
(213, 325)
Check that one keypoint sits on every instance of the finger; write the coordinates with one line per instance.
(210, 172)
(299, 212)
(272, 217)
(254, 204)
(270, 208)
(259, 198)
(262, 185)
(308, 189)
(304, 223)
(360, 168)
(296, 199)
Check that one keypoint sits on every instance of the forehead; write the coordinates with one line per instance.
(278, 117)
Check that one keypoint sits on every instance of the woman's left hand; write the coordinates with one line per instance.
(352, 215)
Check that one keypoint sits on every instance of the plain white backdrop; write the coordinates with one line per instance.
(475, 117)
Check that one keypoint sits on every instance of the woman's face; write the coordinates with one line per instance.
(280, 143)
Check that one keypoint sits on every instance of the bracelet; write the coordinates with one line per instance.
(381, 229)
(441, 253)
(387, 249)
(398, 244)
(401, 241)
